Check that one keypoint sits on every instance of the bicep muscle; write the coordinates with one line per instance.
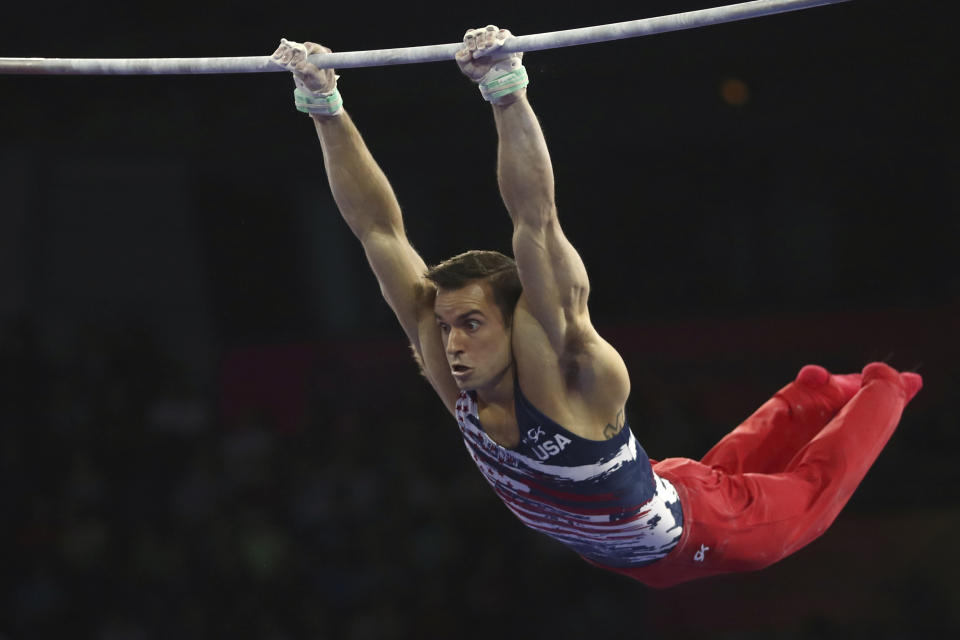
(555, 284)
(400, 272)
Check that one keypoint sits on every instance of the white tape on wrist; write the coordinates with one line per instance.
(504, 78)
(324, 103)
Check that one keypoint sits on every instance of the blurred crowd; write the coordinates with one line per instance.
(131, 510)
(135, 507)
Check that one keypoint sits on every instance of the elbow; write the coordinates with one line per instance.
(540, 217)
(575, 305)
(530, 202)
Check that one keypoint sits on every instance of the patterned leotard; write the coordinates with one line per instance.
(600, 498)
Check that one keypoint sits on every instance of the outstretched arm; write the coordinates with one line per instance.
(555, 284)
(554, 279)
(370, 208)
(368, 205)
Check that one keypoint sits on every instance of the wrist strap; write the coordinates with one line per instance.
(328, 104)
(500, 86)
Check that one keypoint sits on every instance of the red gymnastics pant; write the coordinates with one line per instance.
(776, 482)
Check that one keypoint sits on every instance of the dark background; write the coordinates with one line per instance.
(209, 422)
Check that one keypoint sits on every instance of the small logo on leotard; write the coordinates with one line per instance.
(534, 434)
(699, 555)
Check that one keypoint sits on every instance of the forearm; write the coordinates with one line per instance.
(360, 188)
(524, 170)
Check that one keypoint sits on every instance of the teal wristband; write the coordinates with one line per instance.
(329, 105)
(506, 84)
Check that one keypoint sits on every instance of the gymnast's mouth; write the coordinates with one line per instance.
(459, 368)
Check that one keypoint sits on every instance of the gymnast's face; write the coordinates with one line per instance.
(475, 337)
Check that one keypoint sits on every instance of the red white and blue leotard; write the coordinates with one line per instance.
(600, 498)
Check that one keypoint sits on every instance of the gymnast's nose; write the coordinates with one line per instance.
(455, 342)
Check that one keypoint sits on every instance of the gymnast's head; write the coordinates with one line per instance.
(477, 293)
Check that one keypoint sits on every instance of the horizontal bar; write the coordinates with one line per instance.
(407, 55)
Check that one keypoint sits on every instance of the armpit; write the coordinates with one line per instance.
(576, 350)
(419, 360)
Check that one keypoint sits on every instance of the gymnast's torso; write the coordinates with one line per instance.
(598, 497)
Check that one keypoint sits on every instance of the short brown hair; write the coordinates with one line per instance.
(494, 267)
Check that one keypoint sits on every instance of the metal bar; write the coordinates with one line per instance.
(407, 55)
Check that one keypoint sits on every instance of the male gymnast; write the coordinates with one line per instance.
(540, 396)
